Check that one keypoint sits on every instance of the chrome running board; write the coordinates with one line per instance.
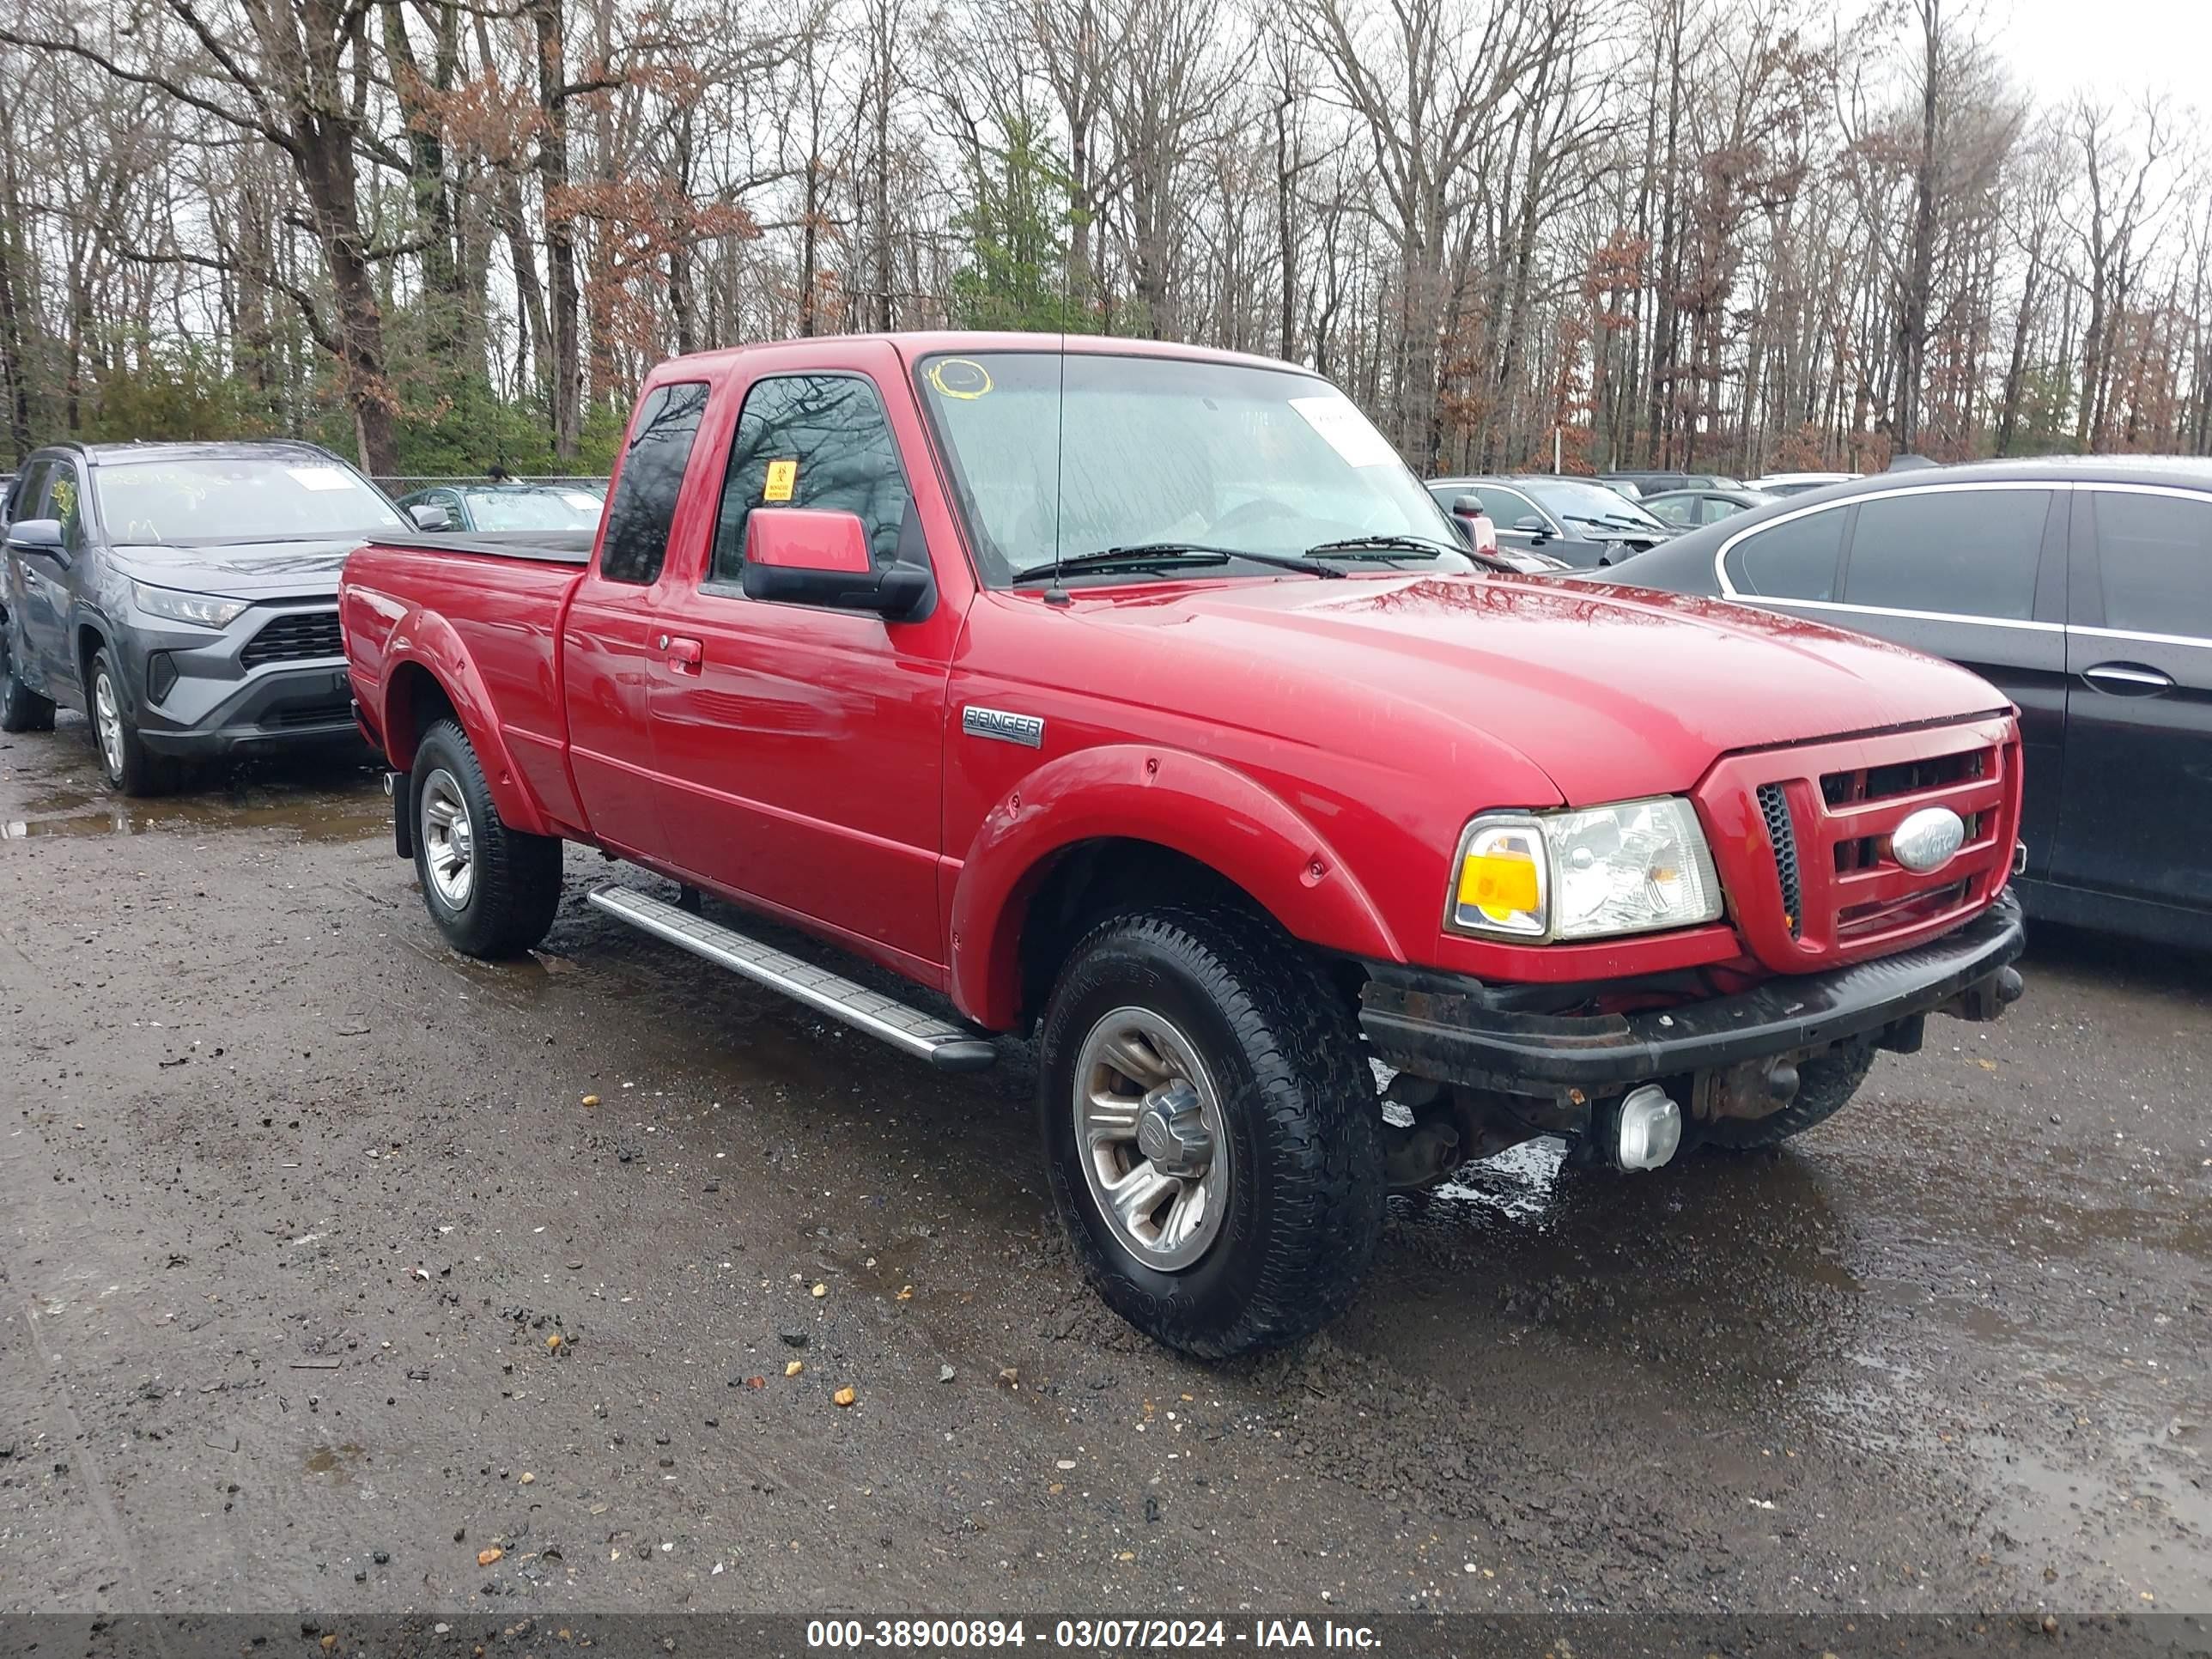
(948, 1047)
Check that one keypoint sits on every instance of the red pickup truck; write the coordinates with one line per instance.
(1139, 697)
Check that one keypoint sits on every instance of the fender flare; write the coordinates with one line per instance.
(1189, 803)
(426, 640)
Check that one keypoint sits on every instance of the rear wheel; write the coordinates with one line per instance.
(1824, 1087)
(1212, 1130)
(127, 763)
(492, 890)
(21, 709)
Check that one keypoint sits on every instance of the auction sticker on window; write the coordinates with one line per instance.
(1349, 432)
(782, 480)
(320, 478)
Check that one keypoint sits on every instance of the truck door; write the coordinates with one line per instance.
(802, 747)
(608, 650)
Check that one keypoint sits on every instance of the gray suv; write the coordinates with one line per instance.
(184, 596)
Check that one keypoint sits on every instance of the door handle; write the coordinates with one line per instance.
(683, 656)
(2128, 679)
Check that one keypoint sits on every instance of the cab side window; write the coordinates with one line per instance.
(2155, 557)
(818, 440)
(634, 543)
(1793, 560)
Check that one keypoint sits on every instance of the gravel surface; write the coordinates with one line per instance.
(340, 1271)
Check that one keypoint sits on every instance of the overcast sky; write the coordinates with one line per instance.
(2112, 46)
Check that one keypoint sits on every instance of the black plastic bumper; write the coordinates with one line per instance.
(276, 709)
(1450, 1029)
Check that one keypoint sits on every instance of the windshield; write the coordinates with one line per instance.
(1569, 498)
(240, 498)
(1162, 450)
(533, 509)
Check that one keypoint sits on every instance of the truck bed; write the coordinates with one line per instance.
(538, 546)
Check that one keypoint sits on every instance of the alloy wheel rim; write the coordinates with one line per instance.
(107, 720)
(449, 842)
(1154, 1143)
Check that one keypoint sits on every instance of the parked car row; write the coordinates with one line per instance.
(2082, 588)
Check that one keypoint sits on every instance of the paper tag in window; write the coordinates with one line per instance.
(1348, 432)
(782, 479)
(320, 478)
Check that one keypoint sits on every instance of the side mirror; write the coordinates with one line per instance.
(1533, 525)
(1473, 517)
(814, 556)
(429, 515)
(39, 536)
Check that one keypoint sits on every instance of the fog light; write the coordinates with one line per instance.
(1650, 1128)
(161, 676)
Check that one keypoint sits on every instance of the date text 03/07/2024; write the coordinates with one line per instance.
(1084, 1635)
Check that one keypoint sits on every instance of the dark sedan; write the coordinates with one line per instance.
(1575, 521)
(2082, 589)
(184, 596)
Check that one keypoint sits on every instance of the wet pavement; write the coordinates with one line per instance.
(297, 1203)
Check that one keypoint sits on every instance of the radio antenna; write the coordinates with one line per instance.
(1057, 594)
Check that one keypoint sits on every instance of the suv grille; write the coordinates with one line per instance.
(297, 636)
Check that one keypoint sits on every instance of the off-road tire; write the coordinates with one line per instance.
(21, 709)
(133, 768)
(516, 884)
(1825, 1087)
(1303, 1208)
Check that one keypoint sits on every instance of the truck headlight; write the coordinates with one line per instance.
(202, 610)
(1633, 868)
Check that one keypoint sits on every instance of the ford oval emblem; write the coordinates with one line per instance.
(1928, 840)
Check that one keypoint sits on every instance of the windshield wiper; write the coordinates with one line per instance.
(1164, 555)
(1383, 547)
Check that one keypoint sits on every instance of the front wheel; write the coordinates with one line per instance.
(125, 759)
(1211, 1129)
(492, 890)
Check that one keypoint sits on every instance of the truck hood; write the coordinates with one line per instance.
(240, 570)
(1613, 692)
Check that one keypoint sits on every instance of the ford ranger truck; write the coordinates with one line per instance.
(1138, 698)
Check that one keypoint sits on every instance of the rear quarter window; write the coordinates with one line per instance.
(635, 545)
(1793, 560)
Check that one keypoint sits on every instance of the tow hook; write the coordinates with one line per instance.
(1987, 998)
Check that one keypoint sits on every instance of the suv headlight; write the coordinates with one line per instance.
(202, 610)
(1633, 868)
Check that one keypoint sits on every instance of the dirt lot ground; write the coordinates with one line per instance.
(296, 1203)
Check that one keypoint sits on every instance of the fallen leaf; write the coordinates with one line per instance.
(591, 1100)
(553, 1341)
(820, 1291)
(756, 1382)
(485, 1558)
(906, 1293)
(1011, 1376)
(845, 1396)
(528, 1479)
(794, 1368)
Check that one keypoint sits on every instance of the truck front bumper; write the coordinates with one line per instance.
(1457, 1030)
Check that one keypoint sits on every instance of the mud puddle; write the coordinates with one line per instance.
(337, 807)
